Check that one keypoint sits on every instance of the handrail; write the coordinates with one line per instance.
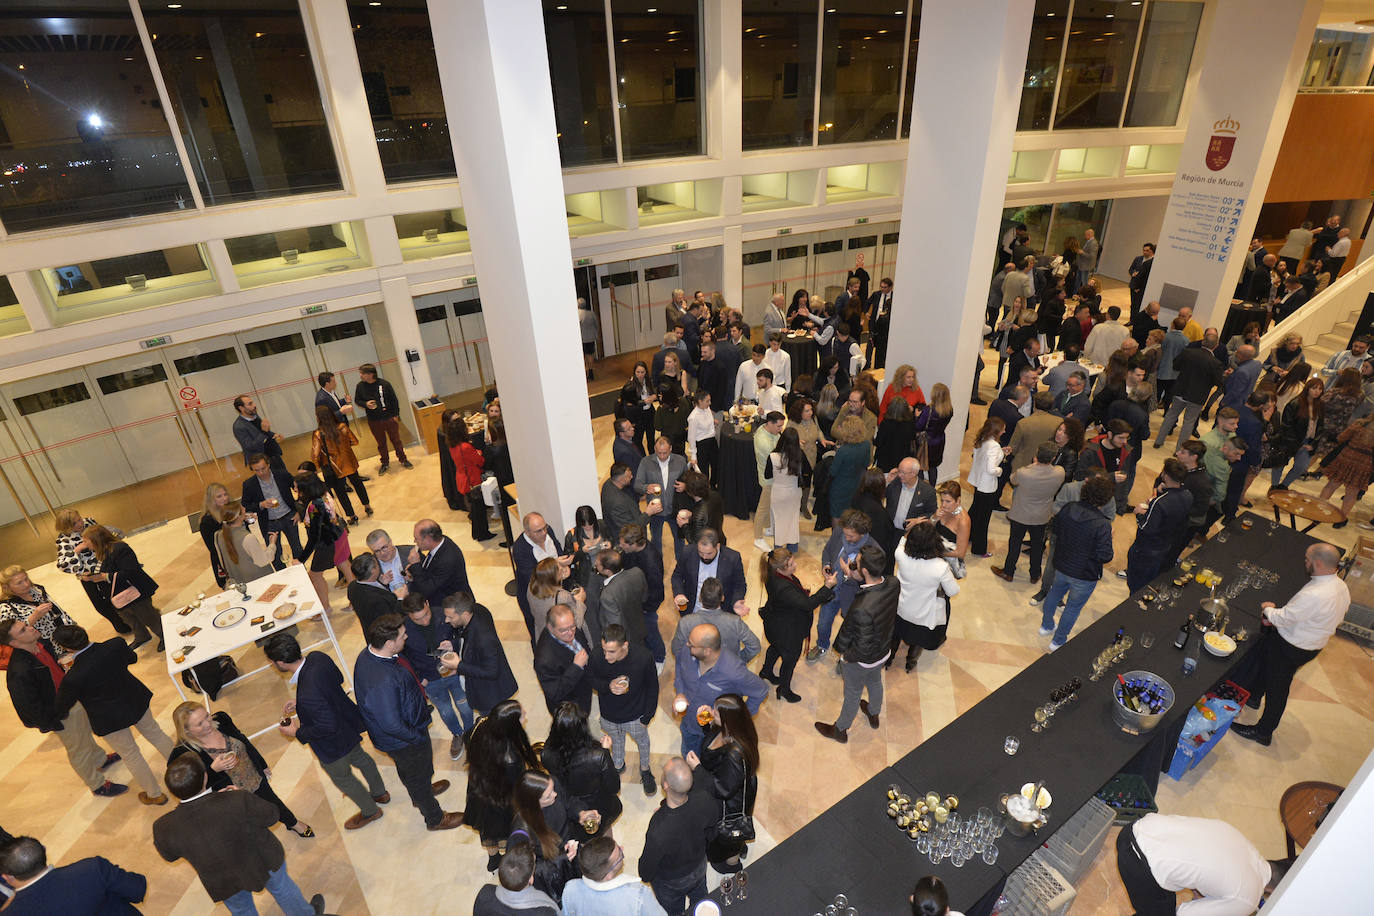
(1327, 309)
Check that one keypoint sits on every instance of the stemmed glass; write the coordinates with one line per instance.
(742, 884)
(727, 889)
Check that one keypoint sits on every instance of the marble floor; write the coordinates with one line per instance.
(395, 865)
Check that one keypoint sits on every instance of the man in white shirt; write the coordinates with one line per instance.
(768, 395)
(779, 361)
(1347, 359)
(1294, 634)
(1161, 854)
(1337, 253)
(1106, 338)
(746, 383)
(391, 559)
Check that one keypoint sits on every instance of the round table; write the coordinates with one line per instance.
(739, 476)
(1303, 808)
(1239, 315)
(804, 354)
(1300, 505)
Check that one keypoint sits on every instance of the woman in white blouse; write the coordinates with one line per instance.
(703, 448)
(983, 477)
(927, 584)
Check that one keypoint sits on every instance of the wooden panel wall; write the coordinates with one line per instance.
(1327, 151)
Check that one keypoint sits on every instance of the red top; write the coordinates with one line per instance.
(913, 396)
(44, 656)
(467, 465)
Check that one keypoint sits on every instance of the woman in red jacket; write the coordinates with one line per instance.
(467, 475)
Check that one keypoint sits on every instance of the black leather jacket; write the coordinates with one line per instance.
(866, 634)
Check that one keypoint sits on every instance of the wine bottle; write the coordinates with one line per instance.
(1181, 639)
(1120, 635)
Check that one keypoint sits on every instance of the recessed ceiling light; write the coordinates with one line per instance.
(882, 31)
(21, 66)
(830, 11)
(1111, 15)
(1049, 14)
(652, 9)
(174, 6)
(374, 3)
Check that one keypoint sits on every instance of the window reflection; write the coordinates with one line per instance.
(778, 75)
(12, 320)
(658, 72)
(861, 70)
(1071, 218)
(1161, 68)
(1339, 57)
(579, 70)
(243, 89)
(94, 289)
(291, 254)
(910, 97)
(401, 79)
(1042, 63)
(82, 134)
(432, 234)
(1097, 64)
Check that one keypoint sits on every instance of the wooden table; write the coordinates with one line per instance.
(1303, 808)
(1301, 505)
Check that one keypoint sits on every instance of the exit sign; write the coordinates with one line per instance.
(860, 221)
(318, 308)
(787, 231)
(680, 246)
(582, 262)
(152, 342)
(469, 281)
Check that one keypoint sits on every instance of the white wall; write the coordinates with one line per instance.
(1134, 221)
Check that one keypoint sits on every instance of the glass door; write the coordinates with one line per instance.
(619, 284)
(145, 415)
(829, 264)
(21, 497)
(283, 367)
(885, 263)
(474, 352)
(662, 274)
(794, 268)
(760, 279)
(213, 372)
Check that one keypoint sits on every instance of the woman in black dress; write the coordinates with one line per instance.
(322, 534)
(498, 752)
(786, 616)
(587, 537)
(636, 404)
(703, 507)
(895, 433)
(868, 499)
(582, 765)
(216, 496)
(671, 418)
(730, 759)
(551, 822)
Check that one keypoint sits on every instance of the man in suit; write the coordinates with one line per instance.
(1140, 275)
(625, 449)
(254, 433)
(657, 478)
(328, 722)
(227, 839)
(397, 715)
(690, 324)
(1027, 356)
(560, 660)
(704, 560)
(1031, 431)
(634, 554)
(116, 702)
(736, 637)
(716, 374)
(1159, 522)
(33, 678)
(1032, 500)
(1293, 298)
(482, 664)
(426, 631)
(537, 542)
(435, 565)
(95, 885)
(1142, 323)
(369, 597)
(268, 493)
(1074, 401)
(620, 598)
(618, 504)
(1198, 373)
(338, 404)
(879, 318)
(1056, 379)
(908, 496)
(1008, 409)
(391, 558)
(1086, 262)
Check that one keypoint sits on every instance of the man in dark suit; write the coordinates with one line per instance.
(703, 560)
(716, 374)
(1143, 322)
(1073, 401)
(908, 496)
(633, 543)
(369, 598)
(115, 700)
(435, 566)
(560, 660)
(254, 433)
(338, 404)
(93, 886)
(691, 331)
(269, 494)
(1007, 409)
(879, 318)
(538, 542)
(619, 507)
(32, 679)
(328, 722)
(227, 838)
(625, 449)
(1140, 275)
(482, 662)
(1294, 297)
(620, 599)
(1029, 355)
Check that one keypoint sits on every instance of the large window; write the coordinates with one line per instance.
(861, 71)
(1161, 66)
(83, 290)
(909, 96)
(243, 89)
(658, 77)
(1097, 65)
(778, 75)
(12, 320)
(580, 71)
(401, 78)
(1048, 28)
(82, 135)
(1341, 55)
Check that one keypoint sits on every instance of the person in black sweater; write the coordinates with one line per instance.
(674, 858)
(626, 683)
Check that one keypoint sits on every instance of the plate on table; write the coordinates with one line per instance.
(1219, 644)
(284, 611)
(228, 617)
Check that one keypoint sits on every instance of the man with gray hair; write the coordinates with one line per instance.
(674, 858)
(367, 594)
(391, 559)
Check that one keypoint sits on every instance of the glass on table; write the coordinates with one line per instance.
(727, 889)
(1147, 640)
(841, 901)
(1010, 745)
(742, 884)
(990, 854)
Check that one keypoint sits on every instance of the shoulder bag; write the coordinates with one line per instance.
(735, 826)
(124, 598)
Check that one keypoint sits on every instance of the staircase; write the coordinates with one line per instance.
(1327, 321)
(1316, 353)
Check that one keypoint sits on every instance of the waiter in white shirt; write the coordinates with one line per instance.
(1293, 635)
(768, 395)
(1161, 854)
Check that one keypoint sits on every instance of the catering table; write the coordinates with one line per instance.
(1240, 314)
(804, 353)
(739, 476)
(853, 848)
(213, 641)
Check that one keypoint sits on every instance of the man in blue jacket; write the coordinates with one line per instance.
(839, 552)
(397, 717)
(426, 631)
(482, 664)
(1159, 522)
(1083, 542)
(329, 723)
(93, 885)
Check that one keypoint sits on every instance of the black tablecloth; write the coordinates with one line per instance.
(853, 848)
(1238, 316)
(739, 476)
(804, 352)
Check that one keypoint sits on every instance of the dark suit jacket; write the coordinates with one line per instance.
(225, 837)
(122, 566)
(101, 682)
(252, 496)
(522, 555)
(729, 570)
(924, 502)
(649, 562)
(1142, 325)
(482, 662)
(627, 453)
(89, 887)
(718, 377)
(329, 721)
(620, 507)
(1019, 360)
(441, 573)
(1008, 413)
(370, 602)
(558, 677)
(1079, 406)
(1282, 309)
(621, 601)
(32, 691)
(1141, 267)
(325, 399)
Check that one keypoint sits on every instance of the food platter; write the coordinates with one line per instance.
(284, 611)
(1219, 644)
(228, 617)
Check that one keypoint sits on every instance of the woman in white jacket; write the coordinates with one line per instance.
(927, 584)
(983, 477)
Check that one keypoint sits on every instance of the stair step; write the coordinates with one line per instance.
(1332, 342)
(1316, 355)
(1345, 327)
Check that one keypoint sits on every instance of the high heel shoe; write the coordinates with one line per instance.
(368, 510)
(769, 676)
(786, 694)
(303, 834)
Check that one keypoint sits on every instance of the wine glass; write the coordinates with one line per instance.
(841, 901)
(727, 889)
(742, 884)
(990, 854)
(1040, 719)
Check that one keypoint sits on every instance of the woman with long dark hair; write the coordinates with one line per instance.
(498, 752)
(582, 765)
(452, 429)
(636, 404)
(552, 824)
(1338, 406)
(730, 757)
(587, 537)
(868, 499)
(786, 616)
(801, 416)
(896, 431)
(927, 584)
(703, 446)
(1299, 429)
(983, 476)
(787, 467)
(671, 417)
(331, 448)
(698, 507)
(119, 566)
(1068, 440)
(322, 534)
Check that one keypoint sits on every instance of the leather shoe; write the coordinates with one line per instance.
(159, 799)
(110, 760)
(358, 820)
(450, 820)
(789, 696)
(1252, 733)
(1001, 573)
(1035, 577)
(382, 799)
(317, 904)
(440, 787)
(769, 676)
(872, 716)
(110, 789)
(829, 731)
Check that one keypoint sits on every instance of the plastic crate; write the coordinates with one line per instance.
(1129, 797)
(1074, 847)
(1358, 622)
(1036, 888)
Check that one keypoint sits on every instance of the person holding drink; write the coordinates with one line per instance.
(704, 674)
(626, 683)
(583, 765)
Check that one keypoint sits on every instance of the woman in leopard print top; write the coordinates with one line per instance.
(83, 564)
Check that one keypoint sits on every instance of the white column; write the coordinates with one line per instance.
(1235, 129)
(494, 69)
(405, 335)
(956, 178)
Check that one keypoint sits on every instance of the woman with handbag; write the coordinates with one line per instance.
(730, 759)
(896, 434)
(585, 539)
(930, 424)
(83, 564)
(23, 599)
(582, 764)
(549, 820)
(243, 553)
(787, 467)
(465, 465)
(786, 617)
(131, 588)
(322, 534)
(331, 448)
(927, 583)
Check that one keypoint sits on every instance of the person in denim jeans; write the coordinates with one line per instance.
(1083, 543)
(425, 630)
(844, 545)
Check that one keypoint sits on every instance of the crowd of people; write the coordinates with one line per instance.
(832, 446)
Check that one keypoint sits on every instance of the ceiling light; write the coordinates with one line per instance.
(652, 9)
(21, 66)
(1111, 15)
(174, 6)
(126, 60)
(882, 31)
(748, 30)
(830, 10)
(562, 7)
(374, 3)
(1049, 14)
(95, 120)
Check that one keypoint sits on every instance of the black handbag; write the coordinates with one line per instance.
(736, 826)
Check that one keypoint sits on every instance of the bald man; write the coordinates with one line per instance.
(674, 857)
(1293, 635)
(704, 673)
(537, 542)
